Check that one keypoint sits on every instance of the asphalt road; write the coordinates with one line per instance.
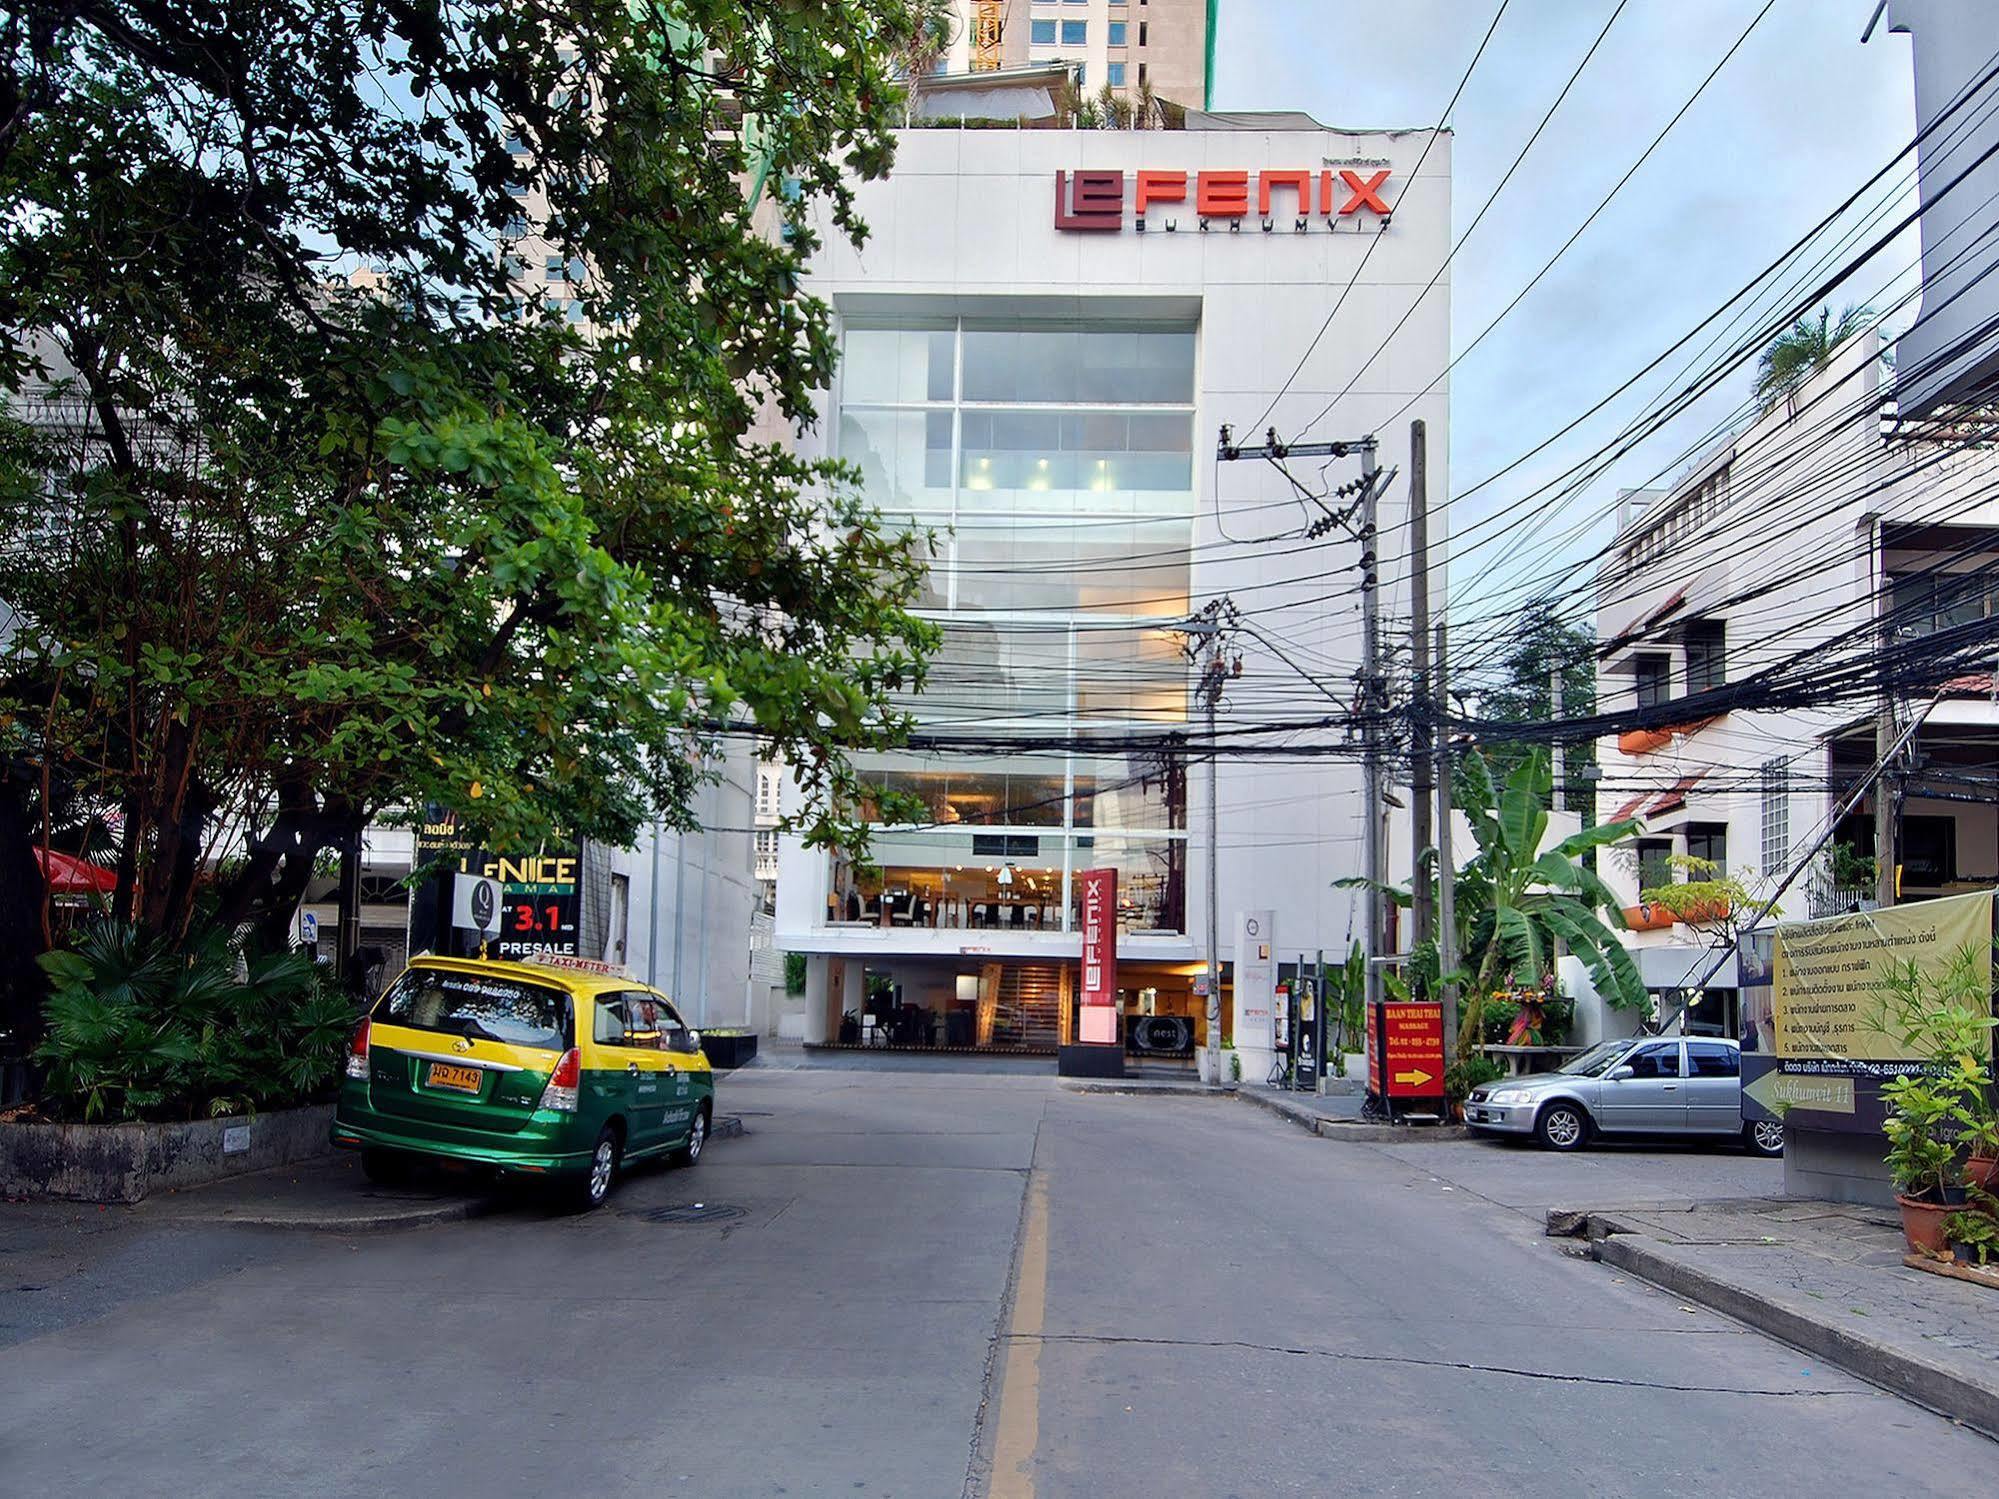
(928, 1286)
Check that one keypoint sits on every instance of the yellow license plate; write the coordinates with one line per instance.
(458, 1079)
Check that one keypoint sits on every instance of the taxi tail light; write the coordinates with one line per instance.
(357, 1051)
(560, 1094)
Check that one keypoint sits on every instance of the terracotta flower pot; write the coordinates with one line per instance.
(1922, 1224)
(1982, 1171)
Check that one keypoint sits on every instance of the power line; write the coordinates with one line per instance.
(1368, 254)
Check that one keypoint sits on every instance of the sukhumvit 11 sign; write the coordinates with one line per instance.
(1820, 1032)
(1096, 201)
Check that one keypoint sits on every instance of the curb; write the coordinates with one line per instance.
(1896, 1370)
(1141, 1088)
(393, 1219)
(1351, 1133)
(423, 1215)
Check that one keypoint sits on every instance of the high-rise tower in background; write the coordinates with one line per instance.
(1167, 45)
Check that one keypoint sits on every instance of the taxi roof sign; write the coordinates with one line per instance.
(580, 965)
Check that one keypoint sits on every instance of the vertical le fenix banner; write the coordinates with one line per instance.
(1821, 1038)
(1097, 1019)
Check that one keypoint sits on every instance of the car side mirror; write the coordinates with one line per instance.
(1619, 1074)
(690, 1040)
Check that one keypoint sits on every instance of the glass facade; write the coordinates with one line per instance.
(1054, 463)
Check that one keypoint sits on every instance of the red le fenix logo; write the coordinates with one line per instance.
(1095, 200)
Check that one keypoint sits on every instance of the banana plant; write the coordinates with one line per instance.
(1515, 901)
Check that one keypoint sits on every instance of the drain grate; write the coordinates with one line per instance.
(691, 1212)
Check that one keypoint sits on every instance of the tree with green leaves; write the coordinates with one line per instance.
(314, 507)
(1540, 643)
(1802, 350)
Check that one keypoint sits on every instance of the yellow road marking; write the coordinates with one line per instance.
(1018, 1428)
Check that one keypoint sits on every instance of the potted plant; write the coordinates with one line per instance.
(1941, 1115)
(1981, 1163)
(1923, 1113)
(1973, 1236)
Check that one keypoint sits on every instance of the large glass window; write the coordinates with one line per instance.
(1054, 462)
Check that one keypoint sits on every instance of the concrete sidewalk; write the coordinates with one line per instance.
(1825, 1277)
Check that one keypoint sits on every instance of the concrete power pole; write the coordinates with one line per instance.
(1422, 774)
(1888, 789)
(1369, 701)
(1561, 751)
(1209, 627)
(1370, 705)
(347, 925)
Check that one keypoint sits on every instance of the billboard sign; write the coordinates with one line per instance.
(1817, 1040)
(539, 902)
(1410, 1039)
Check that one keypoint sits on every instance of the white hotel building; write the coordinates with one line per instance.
(1045, 389)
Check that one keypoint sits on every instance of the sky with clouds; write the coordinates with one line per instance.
(1800, 117)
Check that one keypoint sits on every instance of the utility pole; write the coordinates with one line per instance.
(1888, 789)
(1369, 705)
(347, 938)
(1561, 750)
(1368, 700)
(1422, 775)
(1208, 639)
(1447, 870)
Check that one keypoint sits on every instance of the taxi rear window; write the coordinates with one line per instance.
(482, 1006)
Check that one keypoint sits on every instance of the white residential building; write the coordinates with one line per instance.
(1816, 531)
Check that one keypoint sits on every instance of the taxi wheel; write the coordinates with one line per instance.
(387, 1168)
(697, 1138)
(594, 1185)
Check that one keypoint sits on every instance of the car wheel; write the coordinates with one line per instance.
(1562, 1126)
(1764, 1137)
(697, 1138)
(594, 1185)
(387, 1168)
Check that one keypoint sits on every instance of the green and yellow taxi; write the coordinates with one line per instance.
(552, 1067)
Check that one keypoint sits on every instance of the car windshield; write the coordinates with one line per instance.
(480, 1005)
(1598, 1060)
